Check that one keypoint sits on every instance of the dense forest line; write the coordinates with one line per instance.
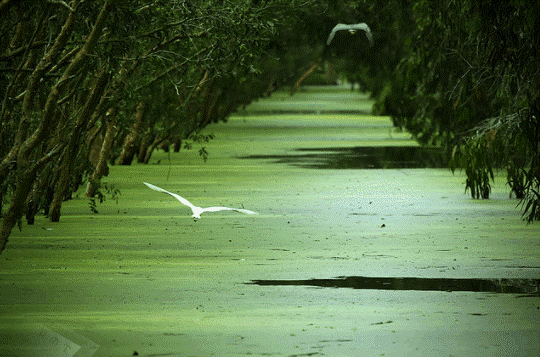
(88, 84)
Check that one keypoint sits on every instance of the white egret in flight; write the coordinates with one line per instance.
(198, 210)
(352, 29)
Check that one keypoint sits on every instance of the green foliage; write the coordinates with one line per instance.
(467, 79)
(104, 190)
(476, 158)
(517, 180)
(199, 139)
(531, 199)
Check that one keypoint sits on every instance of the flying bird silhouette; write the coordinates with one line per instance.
(352, 29)
(198, 210)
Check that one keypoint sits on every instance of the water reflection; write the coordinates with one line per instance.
(363, 157)
(503, 286)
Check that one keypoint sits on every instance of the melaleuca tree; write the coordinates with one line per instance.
(468, 80)
(86, 80)
(57, 59)
(509, 72)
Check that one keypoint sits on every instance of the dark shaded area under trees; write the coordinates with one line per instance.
(87, 84)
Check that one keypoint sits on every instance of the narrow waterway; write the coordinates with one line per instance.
(344, 200)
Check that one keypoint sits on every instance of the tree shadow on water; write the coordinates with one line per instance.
(502, 286)
(361, 157)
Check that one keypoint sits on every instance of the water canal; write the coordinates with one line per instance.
(364, 246)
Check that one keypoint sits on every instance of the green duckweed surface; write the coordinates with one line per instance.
(143, 278)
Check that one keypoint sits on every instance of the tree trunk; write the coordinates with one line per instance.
(94, 142)
(151, 148)
(31, 89)
(305, 75)
(102, 169)
(177, 144)
(24, 184)
(143, 148)
(16, 209)
(26, 168)
(70, 152)
(129, 148)
(33, 201)
(211, 110)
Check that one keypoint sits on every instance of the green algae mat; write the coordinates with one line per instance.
(339, 205)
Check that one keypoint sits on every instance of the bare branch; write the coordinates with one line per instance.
(60, 2)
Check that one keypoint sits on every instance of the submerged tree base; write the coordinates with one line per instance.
(508, 142)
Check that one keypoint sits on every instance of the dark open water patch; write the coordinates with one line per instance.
(302, 111)
(362, 157)
(502, 286)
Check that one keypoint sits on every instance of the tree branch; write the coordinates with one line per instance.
(60, 2)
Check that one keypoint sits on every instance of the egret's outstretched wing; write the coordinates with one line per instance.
(365, 28)
(178, 197)
(246, 211)
(334, 30)
(351, 28)
(198, 210)
(216, 209)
